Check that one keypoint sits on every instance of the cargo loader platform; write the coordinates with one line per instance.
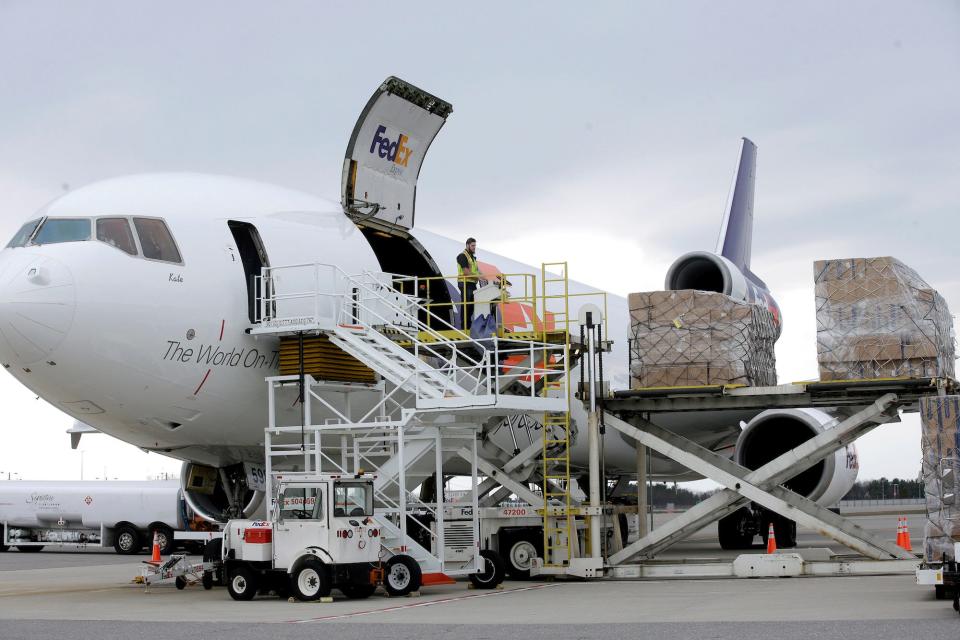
(869, 404)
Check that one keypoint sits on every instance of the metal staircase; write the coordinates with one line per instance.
(434, 392)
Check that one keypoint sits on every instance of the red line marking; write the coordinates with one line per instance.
(205, 376)
(415, 605)
(223, 323)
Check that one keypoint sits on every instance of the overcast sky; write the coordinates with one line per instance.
(605, 135)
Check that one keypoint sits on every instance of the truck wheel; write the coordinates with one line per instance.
(402, 576)
(521, 559)
(492, 573)
(358, 591)
(165, 539)
(30, 549)
(309, 581)
(242, 583)
(127, 540)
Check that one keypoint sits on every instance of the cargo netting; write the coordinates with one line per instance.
(876, 318)
(696, 338)
(940, 427)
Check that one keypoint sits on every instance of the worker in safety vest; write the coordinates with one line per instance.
(468, 276)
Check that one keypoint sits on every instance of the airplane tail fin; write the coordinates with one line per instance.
(736, 231)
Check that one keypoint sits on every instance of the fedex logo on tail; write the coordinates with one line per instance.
(394, 151)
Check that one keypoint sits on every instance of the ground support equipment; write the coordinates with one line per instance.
(180, 569)
(628, 413)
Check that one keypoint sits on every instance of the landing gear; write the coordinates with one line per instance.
(736, 531)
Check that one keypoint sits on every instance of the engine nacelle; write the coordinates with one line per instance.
(776, 431)
(218, 495)
(705, 271)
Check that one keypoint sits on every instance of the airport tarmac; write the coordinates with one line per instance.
(89, 595)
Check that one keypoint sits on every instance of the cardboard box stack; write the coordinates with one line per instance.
(940, 438)
(693, 338)
(876, 318)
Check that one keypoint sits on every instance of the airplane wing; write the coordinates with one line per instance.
(386, 151)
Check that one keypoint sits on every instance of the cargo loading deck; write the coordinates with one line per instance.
(869, 402)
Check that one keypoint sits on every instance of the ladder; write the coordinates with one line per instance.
(558, 530)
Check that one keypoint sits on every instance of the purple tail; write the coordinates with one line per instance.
(736, 231)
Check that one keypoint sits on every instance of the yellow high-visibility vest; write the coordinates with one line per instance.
(474, 273)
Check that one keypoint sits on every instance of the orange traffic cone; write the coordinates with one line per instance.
(901, 534)
(907, 544)
(771, 540)
(156, 548)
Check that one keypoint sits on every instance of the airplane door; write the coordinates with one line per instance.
(253, 256)
(386, 150)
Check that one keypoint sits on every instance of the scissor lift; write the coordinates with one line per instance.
(875, 402)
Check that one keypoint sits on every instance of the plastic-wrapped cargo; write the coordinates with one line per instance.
(876, 318)
(940, 438)
(695, 338)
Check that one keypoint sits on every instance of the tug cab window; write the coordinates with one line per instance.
(352, 499)
(156, 241)
(55, 230)
(116, 233)
(301, 503)
(23, 236)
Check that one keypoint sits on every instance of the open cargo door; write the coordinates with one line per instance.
(386, 151)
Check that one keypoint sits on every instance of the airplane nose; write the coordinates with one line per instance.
(37, 305)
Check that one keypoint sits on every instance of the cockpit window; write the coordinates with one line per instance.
(22, 236)
(116, 233)
(54, 230)
(155, 240)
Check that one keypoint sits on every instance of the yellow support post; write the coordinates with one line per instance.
(559, 534)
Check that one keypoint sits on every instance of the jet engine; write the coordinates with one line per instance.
(767, 436)
(705, 271)
(217, 495)
(776, 431)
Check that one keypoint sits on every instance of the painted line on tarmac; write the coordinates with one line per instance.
(430, 603)
(44, 592)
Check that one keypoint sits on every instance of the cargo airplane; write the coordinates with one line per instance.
(126, 304)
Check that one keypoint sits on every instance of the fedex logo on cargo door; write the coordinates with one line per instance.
(396, 151)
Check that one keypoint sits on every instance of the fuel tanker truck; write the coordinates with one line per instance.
(124, 515)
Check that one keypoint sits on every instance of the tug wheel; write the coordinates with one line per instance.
(402, 575)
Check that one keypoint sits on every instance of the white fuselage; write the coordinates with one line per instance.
(156, 353)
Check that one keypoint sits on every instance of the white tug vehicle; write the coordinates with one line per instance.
(321, 535)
